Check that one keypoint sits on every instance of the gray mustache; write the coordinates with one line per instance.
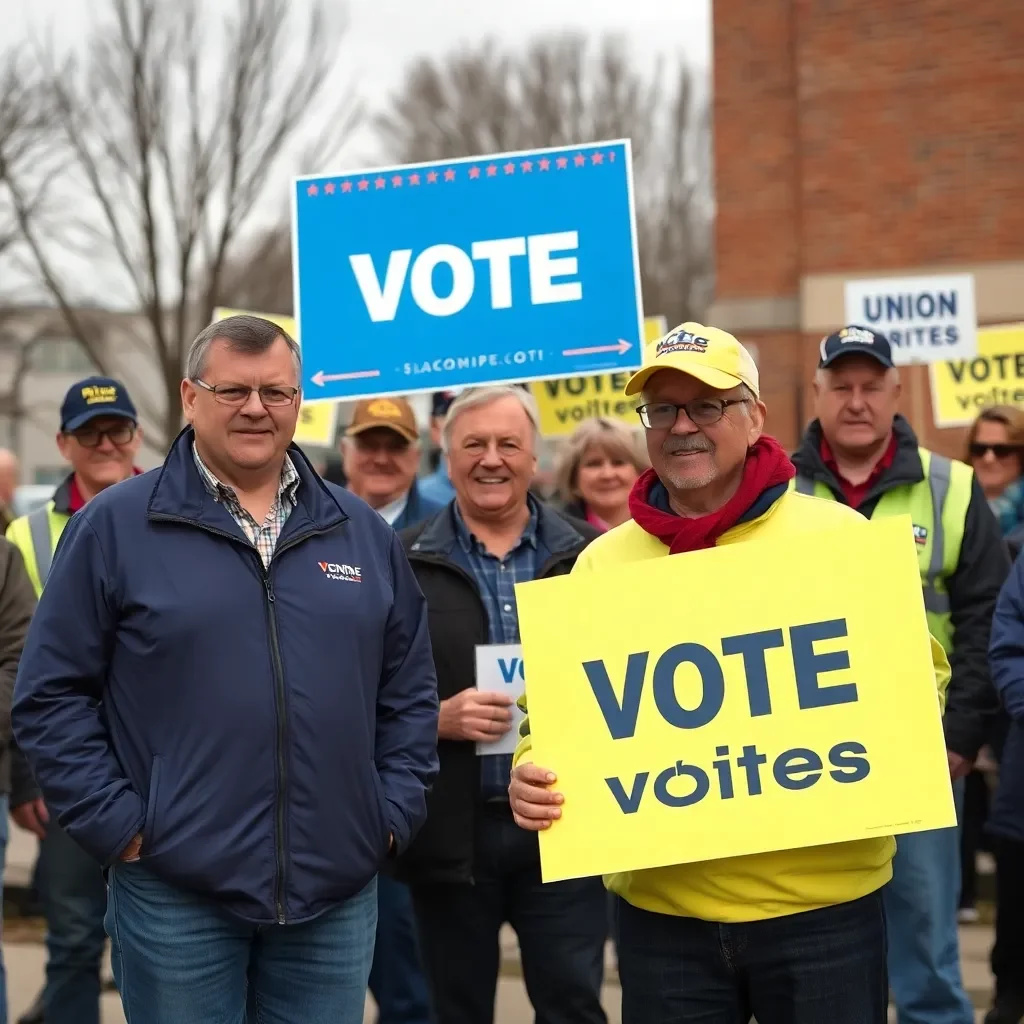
(694, 443)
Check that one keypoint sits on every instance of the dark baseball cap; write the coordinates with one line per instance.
(855, 340)
(94, 397)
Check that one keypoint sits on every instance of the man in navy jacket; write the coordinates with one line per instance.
(1006, 816)
(228, 697)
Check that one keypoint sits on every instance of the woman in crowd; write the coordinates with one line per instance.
(596, 471)
(995, 449)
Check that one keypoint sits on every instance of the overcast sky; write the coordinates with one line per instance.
(386, 34)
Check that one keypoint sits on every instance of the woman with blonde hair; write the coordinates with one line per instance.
(596, 471)
(995, 450)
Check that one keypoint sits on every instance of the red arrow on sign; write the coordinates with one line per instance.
(620, 346)
(320, 378)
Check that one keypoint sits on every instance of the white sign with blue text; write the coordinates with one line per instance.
(499, 669)
(512, 267)
(926, 319)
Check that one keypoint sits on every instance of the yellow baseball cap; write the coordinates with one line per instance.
(707, 353)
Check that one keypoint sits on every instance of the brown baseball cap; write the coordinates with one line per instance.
(391, 413)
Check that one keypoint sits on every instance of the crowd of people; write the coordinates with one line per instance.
(245, 721)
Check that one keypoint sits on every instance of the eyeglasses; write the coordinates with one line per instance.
(702, 412)
(90, 437)
(271, 395)
(1000, 451)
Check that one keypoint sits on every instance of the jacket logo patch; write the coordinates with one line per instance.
(920, 534)
(348, 573)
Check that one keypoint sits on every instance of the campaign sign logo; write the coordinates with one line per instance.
(487, 270)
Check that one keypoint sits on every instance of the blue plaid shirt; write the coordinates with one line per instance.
(495, 579)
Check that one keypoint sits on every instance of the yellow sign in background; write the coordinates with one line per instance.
(317, 422)
(796, 773)
(961, 388)
(565, 403)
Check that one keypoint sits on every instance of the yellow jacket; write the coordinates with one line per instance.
(762, 885)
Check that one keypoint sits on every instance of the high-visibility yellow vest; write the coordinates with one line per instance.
(937, 506)
(36, 536)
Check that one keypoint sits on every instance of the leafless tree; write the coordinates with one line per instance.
(563, 91)
(168, 132)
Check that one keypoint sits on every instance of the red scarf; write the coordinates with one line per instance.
(767, 466)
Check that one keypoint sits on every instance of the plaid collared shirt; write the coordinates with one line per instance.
(496, 579)
(263, 537)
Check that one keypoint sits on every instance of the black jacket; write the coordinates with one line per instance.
(971, 702)
(17, 603)
(457, 621)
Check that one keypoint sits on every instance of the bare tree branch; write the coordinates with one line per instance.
(170, 127)
(562, 91)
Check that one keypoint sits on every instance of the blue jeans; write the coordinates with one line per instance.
(819, 967)
(396, 978)
(3, 860)
(921, 905)
(179, 959)
(74, 898)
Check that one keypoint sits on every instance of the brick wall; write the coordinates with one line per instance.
(862, 136)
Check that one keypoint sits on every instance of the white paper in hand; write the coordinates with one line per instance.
(499, 668)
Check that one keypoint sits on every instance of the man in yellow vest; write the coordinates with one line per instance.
(100, 437)
(788, 936)
(861, 453)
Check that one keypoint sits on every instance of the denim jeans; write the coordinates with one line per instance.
(3, 861)
(396, 978)
(921, 905)
(819, 967)
(74, 897)
(561, 928)
(179, 959)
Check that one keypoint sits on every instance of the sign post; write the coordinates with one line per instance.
(505, 268)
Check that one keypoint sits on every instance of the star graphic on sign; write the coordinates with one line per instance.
(380, 183)
(510, 168)
(562, 162)
(346, 186)
(474, 172)
(526, 166)
(414, 179)
(312, 190)
(329, 188)
(492, 171)
(597, 158)
(396, 181)
(544, 164)
(579, 160)
(449, 175)
(363, 185)
(431, 177)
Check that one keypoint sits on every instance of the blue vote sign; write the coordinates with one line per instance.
(512, 267)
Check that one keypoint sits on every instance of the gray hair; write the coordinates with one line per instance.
(474, 397)
(248, 334)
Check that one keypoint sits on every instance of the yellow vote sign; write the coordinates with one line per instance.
(565, 403)
(734, 701)
(317, 421)
(961, 388)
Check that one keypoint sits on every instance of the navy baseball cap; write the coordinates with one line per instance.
(855, 340)
(94, 397)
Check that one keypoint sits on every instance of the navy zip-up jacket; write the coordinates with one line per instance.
(265, 730)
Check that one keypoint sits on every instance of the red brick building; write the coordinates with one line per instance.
(862, 138)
